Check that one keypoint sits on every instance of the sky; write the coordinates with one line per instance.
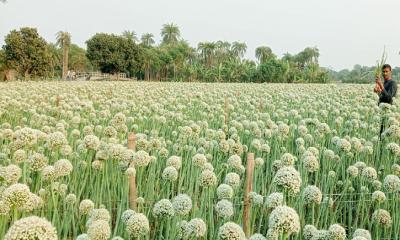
(347, 32)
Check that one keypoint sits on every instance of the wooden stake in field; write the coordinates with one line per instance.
(58, 99)
(247, 189)
(132, 179)
(226, 114)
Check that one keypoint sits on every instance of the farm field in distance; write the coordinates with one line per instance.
(320, 170)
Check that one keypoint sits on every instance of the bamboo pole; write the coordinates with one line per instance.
(132, 179)
(226, 115)
(58, 99)
(247, 189)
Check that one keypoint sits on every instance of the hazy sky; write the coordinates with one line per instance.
(347, 32)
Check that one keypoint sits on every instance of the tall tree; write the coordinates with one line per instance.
(64, 41)
(264, 53)
(147, 39)
(238, 49)
(170, 33)
(26, 52)
(131, 35)
(206, 50)
(113, 54)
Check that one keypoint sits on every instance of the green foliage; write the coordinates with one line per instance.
(27, 52)
(112, 53)
(272, 71)
(78, 60)
(172, 60)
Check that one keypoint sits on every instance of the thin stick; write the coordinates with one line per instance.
(247, 189)
(132, 179)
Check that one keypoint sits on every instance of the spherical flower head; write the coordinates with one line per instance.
(360, 165)
(391, 183)
(19, 156)
(4, 208)
(91, 142)
(259, 161)
(208, 166)
(34, 202)
(37, 161)
(99, 230)
(289, 179)
(197, 228)
(199, 160)
(70, 199)
(98, 214)
(232, 179)
(140, 200)
(170, 174)
(138, 225)
(126, 215)
(284, 219)
(378, 197)
(273, 200)
(86, 206)
(141, 158)
(309, 231)
(182, 204)
(56, 140)
(32, 227)
(130, 171)
(224, 191)
(16, 195)
(231, 231)
(163, 209)
(352, 171)
(321, 234)
(97, 165)
(382, 217)
(175, 162)
(312, 195)
(208, 178)
(393, 148)
(235, 161)
(344, 145)
(288, 159)
(256, 198)
(224, 208)
(63, 167)
(66, 150)
(311, 163)
(362, 233)
(337, 232)
(369, 173)
(10, 174)
(27, 136)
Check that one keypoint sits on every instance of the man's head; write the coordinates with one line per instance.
(387, 72)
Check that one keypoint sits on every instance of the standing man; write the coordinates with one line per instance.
(386, 91)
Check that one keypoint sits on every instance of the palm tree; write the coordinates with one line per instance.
(207, 51)
(131, 35)
(170, 33)
(238, 49)
(222, 51)
(147, 39)
(64, 41)
(264, 53)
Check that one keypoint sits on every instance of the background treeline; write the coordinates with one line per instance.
(28, 56)
(360, 74)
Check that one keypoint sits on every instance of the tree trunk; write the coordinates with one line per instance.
(65, 62)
